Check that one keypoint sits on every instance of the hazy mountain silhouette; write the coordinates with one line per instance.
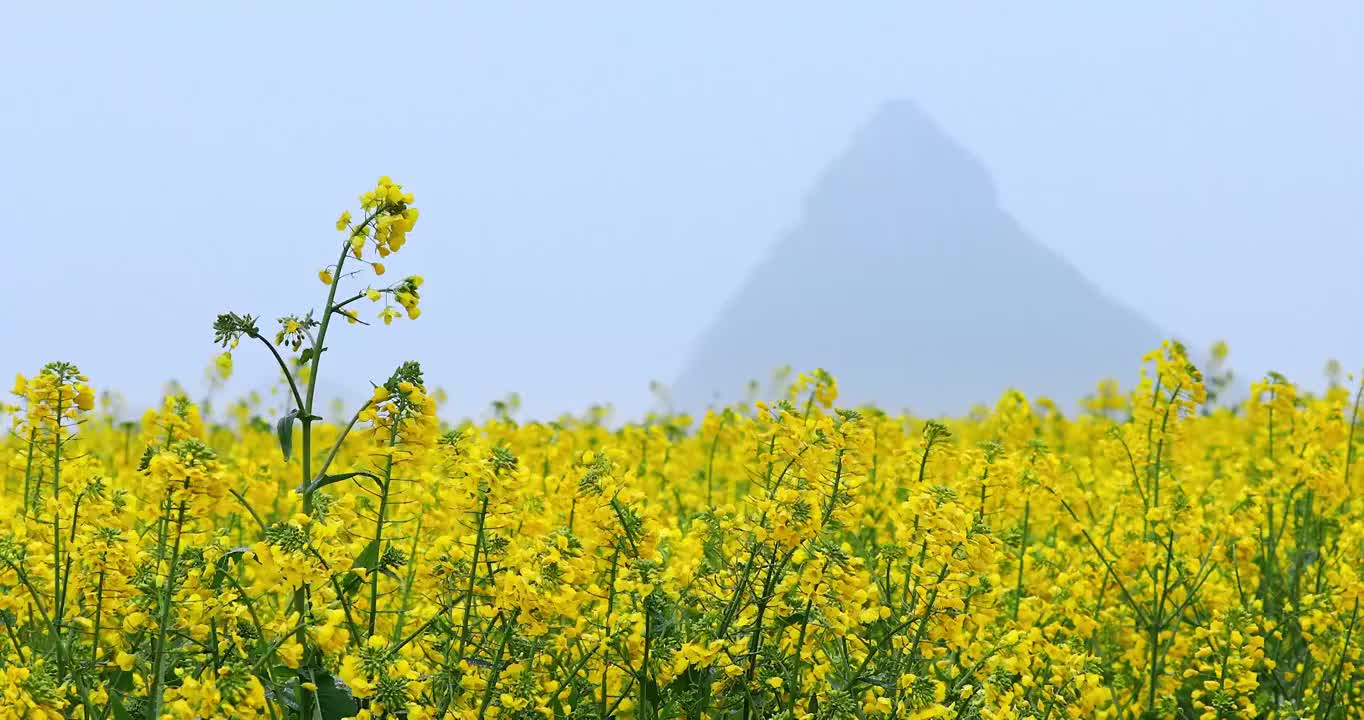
(908, 282)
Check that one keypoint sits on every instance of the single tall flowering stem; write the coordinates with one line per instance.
(301, 595)
(383, 230)
(306, 412)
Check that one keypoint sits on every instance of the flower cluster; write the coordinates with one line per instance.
(388, 217)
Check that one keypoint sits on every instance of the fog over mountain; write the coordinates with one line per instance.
(907, 281)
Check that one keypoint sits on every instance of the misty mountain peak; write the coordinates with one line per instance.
(907, 281)
(900, 161)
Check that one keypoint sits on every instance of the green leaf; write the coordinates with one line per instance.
(331, 700)
(307, 355)
(367, 559)
(233, 555)
(653, 694)
(326, 480)
(285, 429)
(692, 689)
(334, 701)
(693, 678)
(120, 712)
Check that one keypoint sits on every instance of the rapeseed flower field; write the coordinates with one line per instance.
(1158, 555)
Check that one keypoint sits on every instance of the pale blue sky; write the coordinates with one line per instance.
(596, 178)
